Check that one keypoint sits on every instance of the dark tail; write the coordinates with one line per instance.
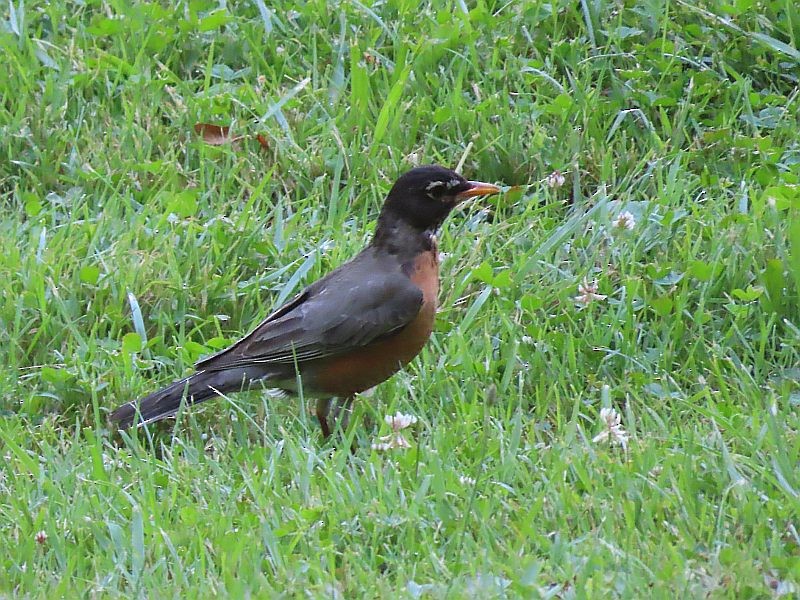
(165, 403)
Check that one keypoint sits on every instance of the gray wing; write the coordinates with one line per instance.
(348, 309)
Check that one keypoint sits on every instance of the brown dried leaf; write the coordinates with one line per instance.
(215, 135)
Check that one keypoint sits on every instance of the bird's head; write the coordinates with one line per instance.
(424, 196)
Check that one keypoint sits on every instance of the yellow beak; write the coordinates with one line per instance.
(478, 188)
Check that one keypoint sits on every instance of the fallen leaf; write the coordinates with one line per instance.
(215, 135)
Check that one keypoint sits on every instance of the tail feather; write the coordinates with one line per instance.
(166, 402)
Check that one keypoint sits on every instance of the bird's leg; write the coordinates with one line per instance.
(342, 409)
(323, 408)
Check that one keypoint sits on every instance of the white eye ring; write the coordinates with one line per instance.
(433, 185)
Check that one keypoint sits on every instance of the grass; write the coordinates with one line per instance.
(129, 248)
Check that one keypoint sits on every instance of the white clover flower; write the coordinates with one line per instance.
(613, 431)
(40, 537)
(587, 292)
(399, 421)
(466, 481)
(624, 220)
(555, 180)
(395, 440)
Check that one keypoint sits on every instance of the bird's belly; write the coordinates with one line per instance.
(366, 367)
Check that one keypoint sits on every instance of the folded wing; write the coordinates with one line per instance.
(344, 311)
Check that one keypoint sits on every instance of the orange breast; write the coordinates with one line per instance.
(368, 366)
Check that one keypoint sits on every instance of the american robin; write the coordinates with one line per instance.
(348, 331)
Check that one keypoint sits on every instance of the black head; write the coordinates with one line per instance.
(424, 196)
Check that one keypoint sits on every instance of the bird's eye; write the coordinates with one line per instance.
(435, 189)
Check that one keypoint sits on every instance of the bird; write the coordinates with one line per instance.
(348, 331)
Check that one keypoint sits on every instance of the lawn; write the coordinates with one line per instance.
(610, 403)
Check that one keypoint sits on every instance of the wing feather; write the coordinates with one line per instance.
(339, 313)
